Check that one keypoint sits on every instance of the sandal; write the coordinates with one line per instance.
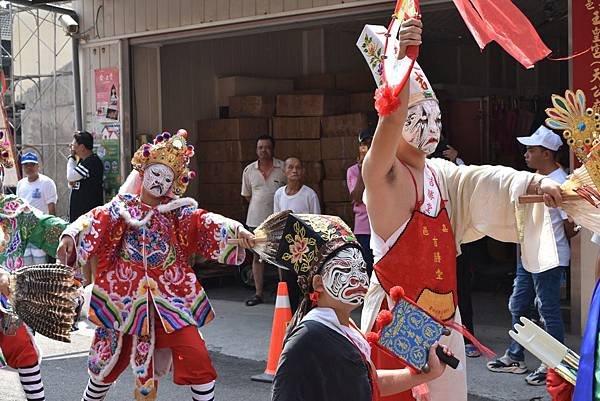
(254, 301)
(471, 351)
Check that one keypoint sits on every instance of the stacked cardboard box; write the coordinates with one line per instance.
(339, 131)
(339, 149)
(297, 129)
(224, 148)
(251, 106)
(318, 123)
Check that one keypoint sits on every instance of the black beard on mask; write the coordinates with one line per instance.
(158, 186)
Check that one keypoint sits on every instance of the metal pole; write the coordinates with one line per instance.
(77, 85)
(55, 103)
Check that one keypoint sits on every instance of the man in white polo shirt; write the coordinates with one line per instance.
(40, 191)
(260, 180)
(543, 288)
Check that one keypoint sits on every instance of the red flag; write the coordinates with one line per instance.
(502, 22)
(3, 83)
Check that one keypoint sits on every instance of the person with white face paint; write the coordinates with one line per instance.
(158, 180)
(322, 335)
(422, 210)
(146, 300)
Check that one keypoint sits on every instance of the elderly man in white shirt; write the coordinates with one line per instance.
(298, 198)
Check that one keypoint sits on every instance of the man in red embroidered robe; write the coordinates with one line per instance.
(422, 210)
(146, 300)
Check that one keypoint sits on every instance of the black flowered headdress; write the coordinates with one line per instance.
(303, 242)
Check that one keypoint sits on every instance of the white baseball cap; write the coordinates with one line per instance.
(542, 137)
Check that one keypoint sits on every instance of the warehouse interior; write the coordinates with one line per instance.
(309, 86)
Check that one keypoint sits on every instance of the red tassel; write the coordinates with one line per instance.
(386, 100)
(397, 293)
(463, 331)
(372, 337)
(384, 318)
(314, 297)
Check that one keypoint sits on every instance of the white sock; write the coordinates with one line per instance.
(31, 380)
(203, 392)
(95, 391)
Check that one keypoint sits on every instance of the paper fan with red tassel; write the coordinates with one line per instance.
(408, 332)
(380, 48)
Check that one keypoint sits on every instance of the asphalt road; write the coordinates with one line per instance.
(238, 340)
(65, 380)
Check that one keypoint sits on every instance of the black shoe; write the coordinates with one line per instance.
(254, 301)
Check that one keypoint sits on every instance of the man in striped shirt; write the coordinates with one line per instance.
(85, 176)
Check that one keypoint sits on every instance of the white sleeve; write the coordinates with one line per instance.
(596, 238)
(50, 194)
(76, 172)
(276, 205)
(315, 205)
(246, 186)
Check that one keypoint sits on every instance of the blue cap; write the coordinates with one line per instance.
(29, 157)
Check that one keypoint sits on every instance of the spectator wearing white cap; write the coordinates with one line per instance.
(543, 288)
(40, 191)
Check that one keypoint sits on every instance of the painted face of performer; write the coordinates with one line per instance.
(346, 278)
(423, 126)
(158, 179)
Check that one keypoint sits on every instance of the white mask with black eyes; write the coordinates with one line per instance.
(423, 126)
(158, 179)
(345, 276)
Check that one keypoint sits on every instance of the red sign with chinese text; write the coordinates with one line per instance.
(585, 34)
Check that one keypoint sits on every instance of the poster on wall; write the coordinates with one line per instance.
(107, 127)
(107, 93)
(586, 35)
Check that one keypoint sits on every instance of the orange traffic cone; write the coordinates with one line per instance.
(283, 315)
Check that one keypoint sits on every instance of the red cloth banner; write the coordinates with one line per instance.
(586, 34)
(501, 21)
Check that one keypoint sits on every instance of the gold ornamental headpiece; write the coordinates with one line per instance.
(581, 129)
(172, 151)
